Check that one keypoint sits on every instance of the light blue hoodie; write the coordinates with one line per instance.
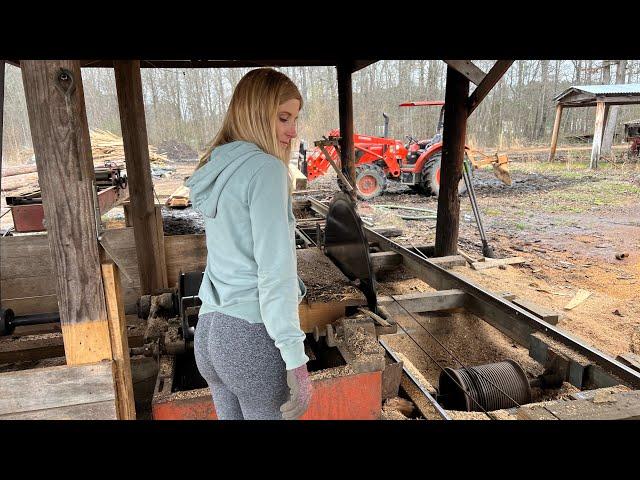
(251, 268)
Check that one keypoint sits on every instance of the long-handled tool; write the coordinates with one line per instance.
(487, 251)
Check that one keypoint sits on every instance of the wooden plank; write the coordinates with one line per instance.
(385, 260)
(423, 301)
(1, 122)
(556, 130)
(345, 113)
(543, 313)
(449, 261)
(89, 411)
(497, 262)
(468, 69)
(298, 180)
(320, 314)
(119, 342)
(162, 257)
(621, 406)
(391, 378)
(60, 134)
(32, 286)
(37, 347)
(453, 138)
(25, 246)
(482, 90)
(136, 147)
(186, 253)
(53, 387)
(580, 296)
(32, 305)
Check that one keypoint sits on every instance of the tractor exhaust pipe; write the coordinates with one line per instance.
(386, 125)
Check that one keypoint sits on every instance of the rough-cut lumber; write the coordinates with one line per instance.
(179, 198)
(423, 302)
(496, 263)
(80, 391)
(449, 261)
(543, 313)
(580, 296)
(298, 180)
(119, 342)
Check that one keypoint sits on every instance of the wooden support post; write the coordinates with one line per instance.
(60, 134)
(1, 113)
(602, 109)
(125, 403)
(556, 130)
(453, 137)
(345, 109)
(153, 276)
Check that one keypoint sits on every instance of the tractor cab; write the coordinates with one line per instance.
(415, 147)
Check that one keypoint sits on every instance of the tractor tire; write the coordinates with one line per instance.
(431, 177)
(371, 181)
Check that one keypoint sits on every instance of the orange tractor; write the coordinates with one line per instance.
(415, 163)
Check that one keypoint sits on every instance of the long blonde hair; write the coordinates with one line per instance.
(253, 112)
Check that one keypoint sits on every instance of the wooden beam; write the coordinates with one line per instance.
(423, 302)
(467, 68)
(360, 64)
(453, 140)
(556, 130)
(58, 120)
(119, 342)
(1, 122)
(136, 148)
(602, 110)
(492, 77)
(345, 109)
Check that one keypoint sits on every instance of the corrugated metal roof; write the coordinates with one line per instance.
(603, 90)
(609, 89)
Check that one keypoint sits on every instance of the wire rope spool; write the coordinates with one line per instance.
(483, 383)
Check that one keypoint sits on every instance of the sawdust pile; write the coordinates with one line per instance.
(324, 281)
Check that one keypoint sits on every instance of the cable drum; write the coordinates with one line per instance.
(480, 383)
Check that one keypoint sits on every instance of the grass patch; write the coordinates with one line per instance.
(579, 198)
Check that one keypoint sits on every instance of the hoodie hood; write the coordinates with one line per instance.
(206, 183)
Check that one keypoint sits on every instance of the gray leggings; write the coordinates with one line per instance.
(243, 367)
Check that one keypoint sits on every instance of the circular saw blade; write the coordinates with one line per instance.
(347, 246)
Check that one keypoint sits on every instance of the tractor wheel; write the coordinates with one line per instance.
(371, 181)
(431, 177)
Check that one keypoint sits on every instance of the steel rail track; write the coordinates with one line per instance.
(510, 319)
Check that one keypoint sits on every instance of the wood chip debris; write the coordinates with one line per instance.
(580, 296)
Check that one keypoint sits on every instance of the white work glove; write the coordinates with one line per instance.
(301, 391)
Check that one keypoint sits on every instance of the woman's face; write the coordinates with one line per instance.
(287, 121)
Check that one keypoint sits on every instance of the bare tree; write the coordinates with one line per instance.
(609, 131)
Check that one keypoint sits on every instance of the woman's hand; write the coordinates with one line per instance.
(301, 391)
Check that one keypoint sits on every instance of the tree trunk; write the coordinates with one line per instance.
(607, 139)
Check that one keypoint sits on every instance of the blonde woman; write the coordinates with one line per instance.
(248, 342)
